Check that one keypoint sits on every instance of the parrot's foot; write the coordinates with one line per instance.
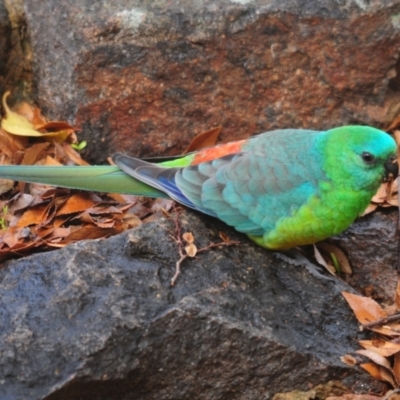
(295, 257)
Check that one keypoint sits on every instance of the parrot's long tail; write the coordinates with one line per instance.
(93, 178)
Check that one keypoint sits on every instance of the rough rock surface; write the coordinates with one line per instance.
(372, 246)
(147, 76)
(99, 320)
(5, 32)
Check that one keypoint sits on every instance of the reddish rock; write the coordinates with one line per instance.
(146, 77)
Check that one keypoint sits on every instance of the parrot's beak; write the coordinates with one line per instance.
(392, 167)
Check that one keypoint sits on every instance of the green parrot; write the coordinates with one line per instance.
(282, 188)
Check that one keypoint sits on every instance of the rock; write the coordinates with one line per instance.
(372, 248)
(99, 320)
(5, 32)
(146, 77)
(16, 57)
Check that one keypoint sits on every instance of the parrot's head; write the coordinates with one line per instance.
(359, 156)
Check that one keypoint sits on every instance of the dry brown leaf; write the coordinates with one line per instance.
(5, 185)
(61, 232)
(188, 237)
(17, 124)
(365, 309)
(204, 139)
(10, 144)
(73, 155)
(20, 202)
(76, 203)
(379, 372)
(51, 161)
(382, 193)
(18, 250)
(396, 134)
(109, 223)
(31, 113)
(395, 124)
(33, 154)
(322, 261)
(191, 250)
(89, 232)
(160, 204)
(370, 208)
(340, 256)
(34, 215)
(382, 347)
(11, 236)
(396, 367)
(130, 221)
(54, 126)
(375, 357)
(224, 237)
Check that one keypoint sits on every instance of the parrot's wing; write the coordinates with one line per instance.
(240, 189)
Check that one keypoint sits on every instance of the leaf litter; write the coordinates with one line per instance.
(382, 351)
(41, 217)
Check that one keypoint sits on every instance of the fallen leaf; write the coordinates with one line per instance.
(396, 368)
(394, 125)
(51, 161)
(33, 154)
(379, 372)
(5, 185)
(55, 125)
(365, 309)
(89, 232)
(10, 144)
(76, 203)
(191, 250)
(31, 113)
(17, 124)
(382, 347)
(130, 221)
(375, 357)
(204, 139)
(34, 215)
(188, 237)
(320, 260)
(340, 256)
(370, 208)
(73, 155)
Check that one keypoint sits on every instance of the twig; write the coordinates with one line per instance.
(382, 321)
(183, 255)
(178, 266)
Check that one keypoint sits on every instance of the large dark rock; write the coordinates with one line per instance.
(372, 246)
(146, 76)
(99, 320)
(5, 36)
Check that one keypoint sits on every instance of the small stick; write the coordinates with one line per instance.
(381, 321)
(183, 255)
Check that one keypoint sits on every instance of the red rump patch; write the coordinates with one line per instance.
(218, 151)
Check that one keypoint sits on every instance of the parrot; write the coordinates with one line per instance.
(282, 188)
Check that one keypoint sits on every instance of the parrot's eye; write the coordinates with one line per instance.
(368, 158)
